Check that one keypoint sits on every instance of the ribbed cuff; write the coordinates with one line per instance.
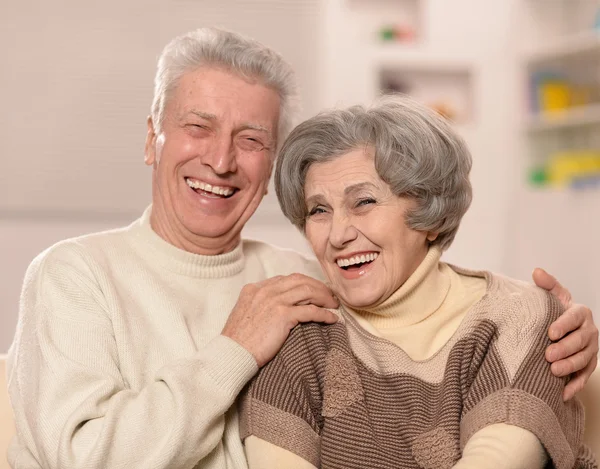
(229, 364)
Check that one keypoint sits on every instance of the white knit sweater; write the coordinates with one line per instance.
(118, 361)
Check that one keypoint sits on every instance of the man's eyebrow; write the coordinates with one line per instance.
(204, 115)
(251, 126)
(244, 126)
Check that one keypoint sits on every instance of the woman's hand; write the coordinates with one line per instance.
(577, 348)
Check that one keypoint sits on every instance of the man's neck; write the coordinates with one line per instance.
(176, 235)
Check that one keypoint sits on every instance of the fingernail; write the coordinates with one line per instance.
(551, 354)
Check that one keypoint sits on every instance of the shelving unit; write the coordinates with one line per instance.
(417, 57)
(561, 69)
(584, 45)
(373, 15)
(583, 116)
(440, 80)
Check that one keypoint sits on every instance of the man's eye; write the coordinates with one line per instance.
(250, 144)
(198, 127)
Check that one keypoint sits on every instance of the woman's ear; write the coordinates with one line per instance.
(431, 237)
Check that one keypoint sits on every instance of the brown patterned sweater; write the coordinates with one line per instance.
(340, 397)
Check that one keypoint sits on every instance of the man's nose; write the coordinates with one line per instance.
(221, 156)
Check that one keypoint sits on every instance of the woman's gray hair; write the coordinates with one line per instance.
(236, 53)
(416, 152)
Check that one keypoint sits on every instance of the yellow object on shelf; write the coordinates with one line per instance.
(566, 167)
(555, 95)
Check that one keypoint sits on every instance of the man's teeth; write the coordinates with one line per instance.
(357, 259)
(224, 191)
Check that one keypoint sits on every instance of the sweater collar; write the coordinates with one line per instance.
(419, 297)
(184, 262)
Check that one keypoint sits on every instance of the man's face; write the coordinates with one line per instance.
(212, 159)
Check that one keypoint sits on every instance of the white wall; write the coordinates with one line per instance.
(75, 88)
(325, 41)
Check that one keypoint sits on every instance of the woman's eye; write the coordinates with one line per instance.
(316, 211)
(366, 201)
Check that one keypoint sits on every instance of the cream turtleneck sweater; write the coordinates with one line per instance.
(420, 317)
(118, 361)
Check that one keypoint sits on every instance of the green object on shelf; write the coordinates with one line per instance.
(387, 34)
(538, 176)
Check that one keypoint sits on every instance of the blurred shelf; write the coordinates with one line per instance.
(574, 117)
(414, 57)
(440, 82)
(579, 46)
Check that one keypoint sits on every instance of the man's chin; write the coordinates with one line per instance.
(215, 232)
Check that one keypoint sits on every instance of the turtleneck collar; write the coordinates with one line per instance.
(184, 262)
(419, 297)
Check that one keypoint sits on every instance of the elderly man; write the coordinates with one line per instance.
(133, 344)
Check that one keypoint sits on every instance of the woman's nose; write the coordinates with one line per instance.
(342, 232)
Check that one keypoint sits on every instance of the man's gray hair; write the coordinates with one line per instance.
(241, 55)
(416, 152)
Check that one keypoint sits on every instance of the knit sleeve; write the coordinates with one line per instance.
(501, 446)
(282, 406)
(73, 408)
(264, 455)
(513, 384)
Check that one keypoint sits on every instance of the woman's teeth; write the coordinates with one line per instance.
(224, 191)
(357, 260)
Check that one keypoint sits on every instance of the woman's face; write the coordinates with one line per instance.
(356, 227)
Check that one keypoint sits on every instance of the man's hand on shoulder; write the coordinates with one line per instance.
(576, 351)
(267, 311)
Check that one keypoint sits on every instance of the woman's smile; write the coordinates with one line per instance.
(357, 264)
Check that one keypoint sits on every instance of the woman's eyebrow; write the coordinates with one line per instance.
(358, 187)
(315, 199)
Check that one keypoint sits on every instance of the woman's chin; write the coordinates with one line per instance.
(359, 301)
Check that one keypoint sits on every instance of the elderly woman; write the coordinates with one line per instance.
(431, 366)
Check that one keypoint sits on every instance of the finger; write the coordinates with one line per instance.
(571, 320)
(569, 345)
(283, 283)
(546, 281)
(312, 313)
(573, 363)
(579, 381)
(306, 293)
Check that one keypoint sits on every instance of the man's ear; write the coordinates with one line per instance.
(271, 168)
(150, 147)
